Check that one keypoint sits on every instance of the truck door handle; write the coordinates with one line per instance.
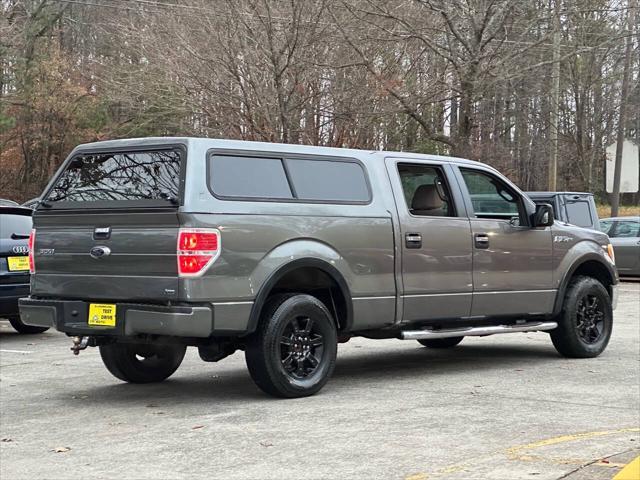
(481, 240)
(413, 240)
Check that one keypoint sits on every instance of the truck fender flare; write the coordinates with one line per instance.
(278, 274)
(562, 288)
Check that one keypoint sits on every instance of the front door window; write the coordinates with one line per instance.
(490, 197)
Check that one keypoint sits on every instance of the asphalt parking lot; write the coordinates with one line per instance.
(502, 407)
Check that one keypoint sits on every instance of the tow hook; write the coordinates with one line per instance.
(79, 343)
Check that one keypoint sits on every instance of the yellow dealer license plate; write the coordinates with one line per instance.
(102, 315)
(17, 264)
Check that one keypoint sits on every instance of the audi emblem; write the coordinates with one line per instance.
(20, 249)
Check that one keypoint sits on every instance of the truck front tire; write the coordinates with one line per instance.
(142, 363)
(586, 320)
(293, 351)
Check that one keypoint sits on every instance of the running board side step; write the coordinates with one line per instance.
(476, 331)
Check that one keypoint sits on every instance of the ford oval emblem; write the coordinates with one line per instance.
(99, 252)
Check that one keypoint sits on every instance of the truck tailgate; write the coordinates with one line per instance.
(106, 256)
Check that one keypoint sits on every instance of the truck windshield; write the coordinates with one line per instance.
(142, 177)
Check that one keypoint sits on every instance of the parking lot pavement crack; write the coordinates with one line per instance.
(594, 462)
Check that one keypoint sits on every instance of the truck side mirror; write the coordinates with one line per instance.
(543, 216)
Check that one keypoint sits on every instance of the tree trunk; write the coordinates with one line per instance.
(624, 94)
(555, 100)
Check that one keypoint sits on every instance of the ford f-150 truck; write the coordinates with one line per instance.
(144, 247)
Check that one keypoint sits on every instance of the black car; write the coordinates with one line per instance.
(576, 208)
(15, 227)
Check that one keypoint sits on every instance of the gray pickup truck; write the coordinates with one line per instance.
(144, 247)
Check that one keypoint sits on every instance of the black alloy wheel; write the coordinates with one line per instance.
(590, 316)
(301, 347)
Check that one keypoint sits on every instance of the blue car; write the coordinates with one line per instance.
(15, 227)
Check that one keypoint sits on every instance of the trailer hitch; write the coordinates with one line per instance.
(79, 343)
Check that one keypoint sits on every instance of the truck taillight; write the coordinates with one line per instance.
(197, 249)
(32, 241)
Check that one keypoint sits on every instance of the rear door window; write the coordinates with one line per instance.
(579, 213)
(626, 229)
(124, 178)
(425, 191)
(606, 226)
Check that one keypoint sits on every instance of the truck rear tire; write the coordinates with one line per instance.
(293, 352)
(586, 320)
(441, 342)
(20, 327)
(142, 363)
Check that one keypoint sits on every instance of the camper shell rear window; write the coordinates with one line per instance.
(128, 178)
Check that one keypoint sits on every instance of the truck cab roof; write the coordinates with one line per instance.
(262, 146)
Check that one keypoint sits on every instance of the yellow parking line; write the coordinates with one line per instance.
(630, 472)
(514, 451)
(417, 476)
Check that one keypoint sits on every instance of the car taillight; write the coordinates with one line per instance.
(32, 241)
(197, 249)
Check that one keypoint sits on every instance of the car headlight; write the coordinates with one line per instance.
(608, 249)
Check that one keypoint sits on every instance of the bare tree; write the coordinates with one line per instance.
(470, 78)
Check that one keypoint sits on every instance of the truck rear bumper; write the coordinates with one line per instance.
(71, 317)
